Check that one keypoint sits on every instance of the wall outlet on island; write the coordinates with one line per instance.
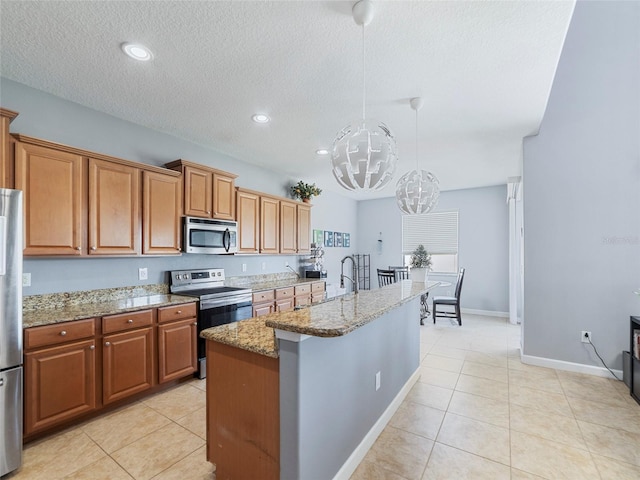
(377, 381)
(143, 274)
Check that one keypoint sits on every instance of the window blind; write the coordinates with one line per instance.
(438, 232)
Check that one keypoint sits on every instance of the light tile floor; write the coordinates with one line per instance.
(476, 412)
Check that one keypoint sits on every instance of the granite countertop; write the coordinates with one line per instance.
(69, 312)
(332, 318)
(252, 335)
(273, 284)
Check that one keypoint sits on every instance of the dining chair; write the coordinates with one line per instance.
(386, 277)
(449, 302)
(402, 273)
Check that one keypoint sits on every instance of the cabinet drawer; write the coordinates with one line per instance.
(284, 293)
(261, 297)
(317, 287)
(302, 289)
(127, 321)
(317, 297)
(176, 312)
(302, 300)
(59, 333)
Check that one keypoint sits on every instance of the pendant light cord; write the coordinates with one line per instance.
(417, 140)
(363, 77)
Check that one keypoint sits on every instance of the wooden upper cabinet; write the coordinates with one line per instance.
(269, 225)
(288, 227)
(248, 209)
(304, 228)
(224, 204)
(114, 208)
(6, 159)
(161, 213)
(198, 194)
(208, 193)
(53, 186)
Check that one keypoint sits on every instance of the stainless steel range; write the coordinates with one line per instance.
(218, 304)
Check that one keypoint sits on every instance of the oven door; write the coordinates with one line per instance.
(213, 317)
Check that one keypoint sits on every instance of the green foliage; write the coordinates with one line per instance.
(420, 258)
(303, 190)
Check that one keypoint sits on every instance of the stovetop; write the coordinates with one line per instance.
(204, 283)
(214, 292)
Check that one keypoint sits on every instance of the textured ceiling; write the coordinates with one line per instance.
(484, 69)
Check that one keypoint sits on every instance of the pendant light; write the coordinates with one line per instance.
(364, 152)
(417, 191)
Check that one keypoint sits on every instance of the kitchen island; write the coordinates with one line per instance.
(304, 394)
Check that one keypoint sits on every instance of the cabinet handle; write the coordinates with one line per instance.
(208, 212)
(63, 333)
(129, 321)
(178, 312)
(94, 248)
(78, 248)
(195, 323)
(106, 344)
(92, 347)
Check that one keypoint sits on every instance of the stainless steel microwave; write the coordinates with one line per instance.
(202, 235)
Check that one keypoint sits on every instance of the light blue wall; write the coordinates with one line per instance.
(582, 193)
(51, 118)
(483, 242)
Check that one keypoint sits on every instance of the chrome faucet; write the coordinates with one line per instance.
(289, 267)
(354, 280)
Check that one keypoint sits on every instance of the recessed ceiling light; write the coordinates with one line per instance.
(261, 118)
(322, 151)
(137, 51)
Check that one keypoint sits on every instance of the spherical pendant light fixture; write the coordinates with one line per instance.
(364, 154)
(417, 191)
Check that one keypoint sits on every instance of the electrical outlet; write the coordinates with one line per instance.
(286, 264)
(244, 267)
(143, 274)
(26, 279)
(585, 336)
(377, 381)
(264, 265)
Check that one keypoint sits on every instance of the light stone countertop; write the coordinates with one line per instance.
(331, 318)
(70, 312)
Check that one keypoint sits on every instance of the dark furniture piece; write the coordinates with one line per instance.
(402, 273)
(449, 302)
(386, 277)
(635, 358)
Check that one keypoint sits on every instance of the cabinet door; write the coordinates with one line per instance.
(53, 186)
(161, 213)
(6, 159)
(269, 225)
(114, 208)
(197, 192)
(284, 305)
(59, 384)
(288, 227)
(302, 300)
(304, 228)
(224, 205)
(263, 309)
(248, 222)
(127, 364)
(176, 349)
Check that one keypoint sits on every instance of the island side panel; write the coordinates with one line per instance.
(327, 389)
(243, 418)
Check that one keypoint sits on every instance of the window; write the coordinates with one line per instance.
(438, 232)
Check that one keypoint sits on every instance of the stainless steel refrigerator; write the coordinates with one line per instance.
(10, 330)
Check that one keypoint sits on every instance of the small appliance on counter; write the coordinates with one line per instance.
(315, 274)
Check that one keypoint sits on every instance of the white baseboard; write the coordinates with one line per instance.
(569, 366)
(488, 313)
(369, 439)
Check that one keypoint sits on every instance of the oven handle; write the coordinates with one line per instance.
(238, 300)
(226, 236)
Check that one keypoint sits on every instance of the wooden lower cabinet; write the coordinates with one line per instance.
(59, 384)
(263, 309)
(127, 364)
(177, 350)
(243, 413)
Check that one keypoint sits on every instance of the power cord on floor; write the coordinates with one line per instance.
(596, 352)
